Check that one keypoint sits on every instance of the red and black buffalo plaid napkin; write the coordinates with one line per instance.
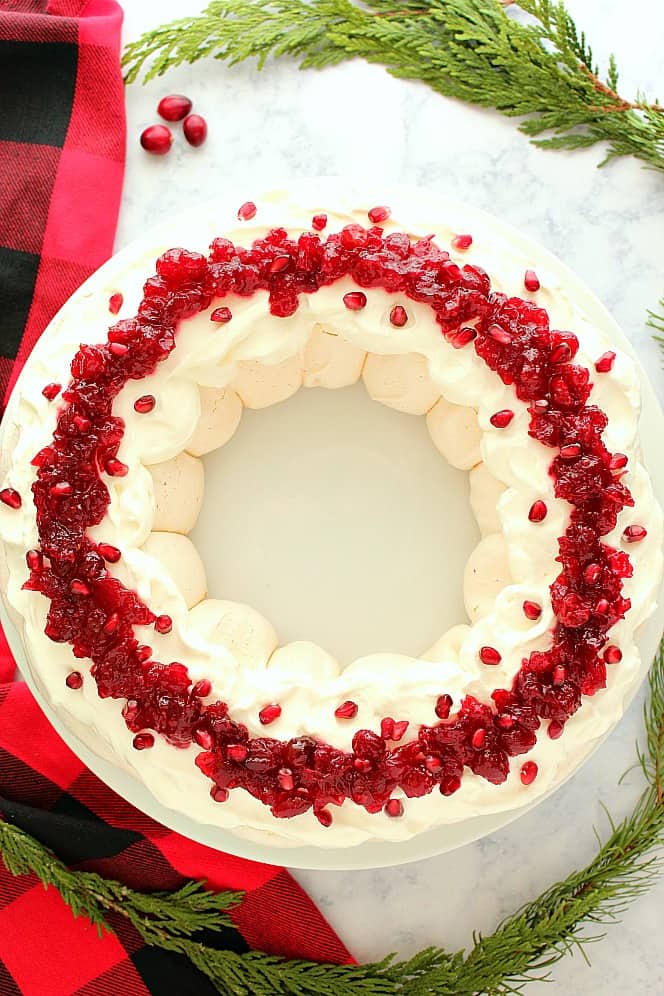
(61, 166)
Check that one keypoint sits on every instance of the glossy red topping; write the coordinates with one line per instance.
(96, 615)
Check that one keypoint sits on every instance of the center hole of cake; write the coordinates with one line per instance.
(336, 518)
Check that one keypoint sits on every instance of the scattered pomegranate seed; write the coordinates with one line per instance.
(570, 452)
(74, 680)
(398, 316)
(202, 688)
(462, 242)
(528, 772)
(605, 362)
(143, 653)
(221, 315)
(61, 489)
(82, 423)
(115, 302)
(116, 468)
(145, 404)
(450, 785)
(163, 624)
(203, 738)
(157, 139)
(355, 300)
(246, 211)
(634, 534)
(555, 729)
(80, 588)
(118, 348)
(531, 281)
(318, 222)
(490, 656)
(346, 710)
(195, 129)
(603, 607)
(51, 391)
(463, 337)
(478, 738)
(443, 706)
(532, 610)
(537, 511)
(394, 808)
(11, 498)
(399, 729)
(378, 214)
(219, 794)
(112, 623)
(279, 264)
(386, 728)
(613, 654)
(560, 353)
(237, 752)
(285, 779)
(269, 713)
(592, 573)
(501, 419)
(109, 552)
(559, 674)
(34, 560)
(618, 461)
(324, 817)
(174, 107)
(499, 334)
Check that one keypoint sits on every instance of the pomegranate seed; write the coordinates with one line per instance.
(219, 794)
(603, 607)
(555, 729)
(221, 316)
(203, 738)
(195, 129)
(269, 713)
(157, 139)
(537, 511)
(237, 752)
(443, 706)
(112, 623)
(528, 772)
(61, 489)
(362, 764)
(174, 107)
(618, 461)
(505, 722)
(279, 264)
(355, 300)
(500, 335)
(285, 779)
(592, 573)
(531, 281)
(324, 817)
(115, 302)
(560, 353)
(143, 741)
(346, 710)
(501, 419)
(450, 785)
(34, 560)
(11, 498)
(463, 337)
(82, 423)
(80, 588)
(490, 656)
(433, 764)
(570, 452)
(378, 214)
(399, 729)
(353, 236)
(51, 391)
(202, 688)
(634, 534)
(246, 211)
(386, 728)
(145, 404)
(118, 348)
(605, 362)
(143, 653)
(319, 221)
(130, 710)
(394, 808)
(109, 553)
(116, 468)
(462, 242)
(532, 610)
(559, 674)
(613, 654)
(478, 738)
(163, 624)
(74, 680)
(541, 405)
(398, 316)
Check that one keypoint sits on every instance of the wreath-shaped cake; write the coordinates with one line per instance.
(103, 479)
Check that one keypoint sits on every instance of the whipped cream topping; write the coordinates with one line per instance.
(255, 361)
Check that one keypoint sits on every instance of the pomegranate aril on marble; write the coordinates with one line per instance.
(398, 316)
(11, 498)
(605, 362)
(195, 129)
(531, 281)
(174, 107)
(145, 404)
(157, 139)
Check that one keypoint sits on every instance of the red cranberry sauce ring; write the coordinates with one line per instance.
(302, 773)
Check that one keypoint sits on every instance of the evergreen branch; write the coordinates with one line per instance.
(656, 322)
(540, 69)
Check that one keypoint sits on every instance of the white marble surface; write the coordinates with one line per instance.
(609, 226)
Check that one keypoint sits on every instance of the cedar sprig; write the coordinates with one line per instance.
(538, 67)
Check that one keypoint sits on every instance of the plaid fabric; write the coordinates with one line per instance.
(62, 134)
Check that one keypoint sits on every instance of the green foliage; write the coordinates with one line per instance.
(656, 322)
(536, 66)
